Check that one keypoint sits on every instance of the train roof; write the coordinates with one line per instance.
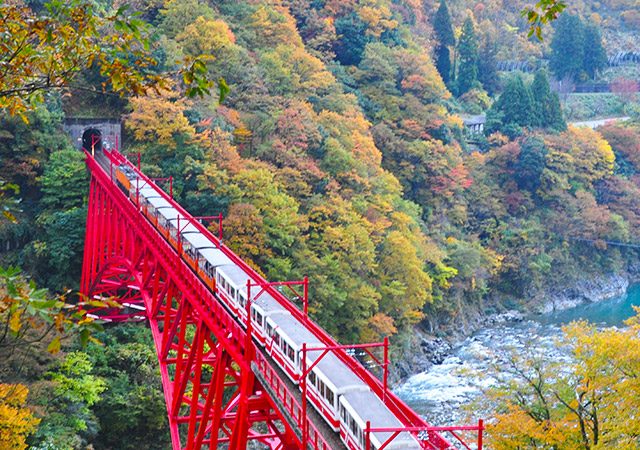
(236, 275)
(185, 224)
(336, 371)
(215, 257)
(294, 330)
(367, 407)
(170, 213)
(196, 239)
(266, 302)
(158, 202)
(146, 192)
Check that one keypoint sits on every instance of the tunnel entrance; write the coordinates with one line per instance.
(92, 140)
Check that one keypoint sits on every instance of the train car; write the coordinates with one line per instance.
(165, 227)
(284, 338)
(231, 281)
(208, 260)
(262, 307)
(327, 381)
(180, 225)
(359, 407)
(143, 196)
(124, 176)
(192, 241)
(152, 208)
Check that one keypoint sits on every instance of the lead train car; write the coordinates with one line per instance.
(345, 402)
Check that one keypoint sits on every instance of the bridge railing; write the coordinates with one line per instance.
(289, 402)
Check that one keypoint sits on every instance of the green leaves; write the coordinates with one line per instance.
(544, 12)
(46, 52)
(223, 89)
(27, 309)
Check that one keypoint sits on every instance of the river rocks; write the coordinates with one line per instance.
(505, 317)
(420, 352)
(585, 291)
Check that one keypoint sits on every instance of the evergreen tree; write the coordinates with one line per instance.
(541, 93)
(442, 26)
(353, 39)
(446, 39)
(467, 58)
(443, 63)
(567, 48)
(556, 119)
(515, 104)
(530, 164)
(488, 67)
(547, 110)
(595, 57)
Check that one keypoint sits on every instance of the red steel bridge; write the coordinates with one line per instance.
(222, 390)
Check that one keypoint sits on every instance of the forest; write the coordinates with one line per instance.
(330, 134)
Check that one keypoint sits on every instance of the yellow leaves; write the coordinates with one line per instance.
(15, 323)
(159, 118)
(599, 390)
(206, 37)
(378, 18)
(16, 420)
(274, 25)
(54, 346)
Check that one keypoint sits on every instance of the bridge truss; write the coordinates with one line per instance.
(221, 391)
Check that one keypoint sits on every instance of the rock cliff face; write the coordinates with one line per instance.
(589, 290)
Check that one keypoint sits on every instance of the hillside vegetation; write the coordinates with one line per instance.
(336, 154)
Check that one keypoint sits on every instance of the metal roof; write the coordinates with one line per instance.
(195, 238)
(265, 301)
(169, 213)
(336, 371)
(146, 192)
(158, 202)
(294, 330)
(366, 406)
(235, 275)
(215, 257)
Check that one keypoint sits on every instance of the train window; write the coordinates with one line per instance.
(232, 291)
(258, 318)
(353, 426)
(291, 354)
(343, 413)
(313, 378)
(329, 396)
(269, 330)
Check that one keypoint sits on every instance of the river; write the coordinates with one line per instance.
(444, 392)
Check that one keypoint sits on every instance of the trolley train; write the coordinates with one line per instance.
(343, 400)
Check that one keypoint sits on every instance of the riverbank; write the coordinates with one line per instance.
(445, 392)
(423, 349)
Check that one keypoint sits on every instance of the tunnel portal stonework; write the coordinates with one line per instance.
(110, 130)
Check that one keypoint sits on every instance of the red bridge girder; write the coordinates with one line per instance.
(220, 390)
(210, 389)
